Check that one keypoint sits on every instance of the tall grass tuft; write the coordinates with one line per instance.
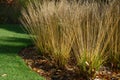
(114, 45)
(87, 29)
(94, 32)
(50, 23)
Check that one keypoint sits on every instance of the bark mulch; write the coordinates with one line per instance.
(48, 69)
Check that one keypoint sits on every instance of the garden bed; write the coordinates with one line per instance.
(48, 69)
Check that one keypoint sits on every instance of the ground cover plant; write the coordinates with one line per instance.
(12, 67)
(87, 32)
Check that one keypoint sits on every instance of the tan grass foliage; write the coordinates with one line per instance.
(88, 29)
(49, 23)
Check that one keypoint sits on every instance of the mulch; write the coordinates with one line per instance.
(47, 68)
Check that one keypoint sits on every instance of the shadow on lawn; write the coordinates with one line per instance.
(12, 45)
(14, 28)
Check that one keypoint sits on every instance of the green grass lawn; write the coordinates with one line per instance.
(12, 67)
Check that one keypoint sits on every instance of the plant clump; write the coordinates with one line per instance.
(87, 32)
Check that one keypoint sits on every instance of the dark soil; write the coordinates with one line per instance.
(47, 68)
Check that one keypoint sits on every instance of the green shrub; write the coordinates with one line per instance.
(10, 11)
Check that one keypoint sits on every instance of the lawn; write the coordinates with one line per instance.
(12, 67)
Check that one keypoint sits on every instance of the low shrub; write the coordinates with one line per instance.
(10, 11)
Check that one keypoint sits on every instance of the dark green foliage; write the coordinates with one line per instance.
(10, 10)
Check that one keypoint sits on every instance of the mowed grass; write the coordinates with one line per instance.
(12, 67)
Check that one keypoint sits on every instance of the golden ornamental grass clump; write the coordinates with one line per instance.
(90, 31)
(94, 34)
(114, 45)
(50, 23)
